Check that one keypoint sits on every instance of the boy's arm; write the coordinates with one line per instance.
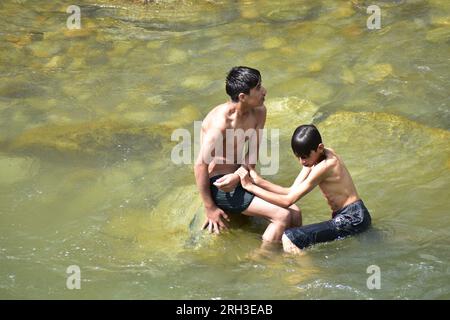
(302, 176)
(265, 184)
(269, 186)
(297, 191)
(214, 214)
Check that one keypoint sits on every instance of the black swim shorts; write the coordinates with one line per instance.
(235, 201)
(350, 220)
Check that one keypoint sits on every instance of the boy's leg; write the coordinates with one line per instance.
(289, 247)
(305, 236)
(296, 216)
(280, 218)
(350, 220)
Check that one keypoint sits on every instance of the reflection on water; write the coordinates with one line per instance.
(85, 123)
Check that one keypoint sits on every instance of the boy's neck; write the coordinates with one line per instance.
(323, 156)
(240, 108)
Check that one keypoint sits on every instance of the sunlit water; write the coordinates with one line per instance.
(86, 118)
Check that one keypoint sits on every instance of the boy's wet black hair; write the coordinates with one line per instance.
(241, 79)
(305, 139)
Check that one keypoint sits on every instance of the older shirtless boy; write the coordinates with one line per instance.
(221, 154)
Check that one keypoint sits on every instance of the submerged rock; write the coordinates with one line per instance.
(164, 230)
(440, 34)
(177, 56)
(120, 49)
(136, 116)
(347, 76)
(315, 66)
(256, 57)
(400, 167)
(306, 88)
(439, 12)
(273, 42)
(17, 169)
(165, 15)
(441, 20)
(55, 62)
(317, 47)
(180, 118)
(19, 88)
(289, 112)
(248, 10)
(342, 10)
(185, 116)
(389, 145)
(197, 82)
(79, 33)
(77, 64)
(153, 45)
(94, 139)
(352, 31)
(372, 73)
(44, 49)
(284, 11)
(19, 41)
(286, 114)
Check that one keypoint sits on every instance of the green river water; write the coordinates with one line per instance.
(86, 118)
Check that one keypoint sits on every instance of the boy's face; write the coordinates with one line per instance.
(255, 97)
(313, 158)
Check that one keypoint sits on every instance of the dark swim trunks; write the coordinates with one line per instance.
(235, 201)
(350, 220)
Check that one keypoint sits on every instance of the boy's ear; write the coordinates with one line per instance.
(320, 147)
(241, 97)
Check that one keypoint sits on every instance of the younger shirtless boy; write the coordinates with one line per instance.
(323, 167)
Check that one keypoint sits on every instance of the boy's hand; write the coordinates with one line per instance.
(255, 176)
(228, 182)
(214, 220)
(245, 177)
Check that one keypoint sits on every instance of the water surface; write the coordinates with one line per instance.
(85, 123)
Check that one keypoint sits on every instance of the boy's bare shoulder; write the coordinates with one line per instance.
(332, 158)
(331, 154)
(216, 118)
(330, 162)
(331, 150)
(324, 165)
(216, 111)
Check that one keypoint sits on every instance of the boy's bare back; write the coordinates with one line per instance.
(336, 184)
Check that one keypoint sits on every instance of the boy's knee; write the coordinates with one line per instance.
(284, 217)
(296, 214)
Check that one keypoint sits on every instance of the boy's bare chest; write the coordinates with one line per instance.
(249, 122)
(238, 132)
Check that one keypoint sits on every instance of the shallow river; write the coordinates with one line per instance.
(86, 117)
